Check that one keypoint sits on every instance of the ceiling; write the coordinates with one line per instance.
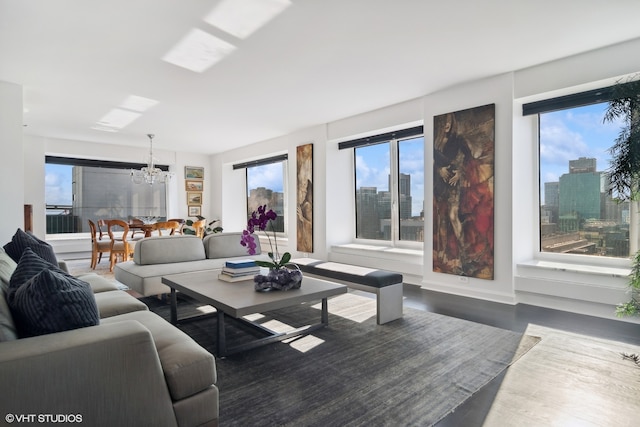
(316, 62)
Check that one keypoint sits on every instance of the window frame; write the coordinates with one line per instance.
(393, 139)
(565, 102)
(106, 164)
(283, 161)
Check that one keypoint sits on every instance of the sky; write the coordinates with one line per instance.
(57, 181)
(268, 176)
(570, 134)
(373, 166)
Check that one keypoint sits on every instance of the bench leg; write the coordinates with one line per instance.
(389, 303)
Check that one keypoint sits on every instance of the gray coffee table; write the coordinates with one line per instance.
(239, 299)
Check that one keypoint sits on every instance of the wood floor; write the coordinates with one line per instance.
(575, 376)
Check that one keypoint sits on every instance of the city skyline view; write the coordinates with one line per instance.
(570, 134)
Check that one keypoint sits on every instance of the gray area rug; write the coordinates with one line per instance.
(410, 372)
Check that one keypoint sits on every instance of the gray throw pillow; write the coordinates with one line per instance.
(22, 240)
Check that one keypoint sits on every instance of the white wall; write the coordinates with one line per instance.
(498, 91)
(230, 193)
(11, 162)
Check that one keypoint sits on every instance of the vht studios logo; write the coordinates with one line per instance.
(43, 418)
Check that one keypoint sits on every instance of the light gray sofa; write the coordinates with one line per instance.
(133, 368)
(155, 257)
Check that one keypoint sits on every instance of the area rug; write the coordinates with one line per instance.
(412, 371)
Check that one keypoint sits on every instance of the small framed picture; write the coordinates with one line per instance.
(193, 172)
(194, 198)
(195, 210)
(193, 185)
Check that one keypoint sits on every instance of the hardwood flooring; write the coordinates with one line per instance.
(575, 376)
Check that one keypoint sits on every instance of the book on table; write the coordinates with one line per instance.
(229, 278)
(240, 263)
(243, 270)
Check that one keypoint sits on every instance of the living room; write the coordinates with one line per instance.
(523, 274)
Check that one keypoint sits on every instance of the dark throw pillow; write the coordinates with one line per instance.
(22, 240)
(52, 301)
(44, 299)
(29, 264)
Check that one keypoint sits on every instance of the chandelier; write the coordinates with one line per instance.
(150, 173)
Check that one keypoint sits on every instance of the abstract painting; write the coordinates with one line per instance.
(463, 182)
(304, 203)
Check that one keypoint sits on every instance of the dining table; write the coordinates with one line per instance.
(147, 226)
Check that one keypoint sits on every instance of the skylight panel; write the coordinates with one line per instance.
(198, 51)
(241, 18)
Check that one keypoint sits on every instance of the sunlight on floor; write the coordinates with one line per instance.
(568, 379)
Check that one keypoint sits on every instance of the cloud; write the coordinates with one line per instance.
(268, 176)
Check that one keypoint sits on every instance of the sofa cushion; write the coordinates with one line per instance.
(168, 249)
(22, 240)
(7, 267)
(98, 283)
(52, 301)
(112, 303)
(7, 326)
(226, 245)
(188, 368)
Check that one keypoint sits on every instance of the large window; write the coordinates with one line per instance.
(389, 181)
(577, 213)
(77, 190)
(266, 186)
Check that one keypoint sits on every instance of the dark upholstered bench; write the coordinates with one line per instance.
(386, 285)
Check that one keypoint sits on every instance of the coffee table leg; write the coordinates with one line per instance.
(324, 316)
(222, 338)
(174, 307)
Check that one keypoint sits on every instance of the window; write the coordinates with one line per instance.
(266, 186)
(77, 190)
(577, 213)
(389, 186)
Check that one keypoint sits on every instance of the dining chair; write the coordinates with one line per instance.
(181, 222)
(120, 247)
(170, 226)
(199, 226)
(98, 246)
(136, 221)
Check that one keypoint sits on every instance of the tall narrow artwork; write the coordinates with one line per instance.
(304, 203)
(463, 182)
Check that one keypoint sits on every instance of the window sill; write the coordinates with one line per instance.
(372, 250)
(573, 268)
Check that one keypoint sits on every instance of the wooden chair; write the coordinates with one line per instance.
(170, 226)
(136, 230)
(120, 247)
(98, 246)
(199, 226)
(181, 222)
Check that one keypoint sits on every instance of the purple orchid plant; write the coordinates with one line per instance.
(260, 220)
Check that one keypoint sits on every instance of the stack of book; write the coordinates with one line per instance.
(238, 270)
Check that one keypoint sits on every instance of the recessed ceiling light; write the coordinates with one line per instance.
(118, 118)
(242, 17)
(138, 103)
(198, 50)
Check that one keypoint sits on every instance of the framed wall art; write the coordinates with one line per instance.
(463, 180)
(193, 172)
(191, 185)
(194, 198)
(195, 211)
(304, 177)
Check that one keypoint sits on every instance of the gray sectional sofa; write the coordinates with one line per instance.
(130, 368)
(155, 257)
